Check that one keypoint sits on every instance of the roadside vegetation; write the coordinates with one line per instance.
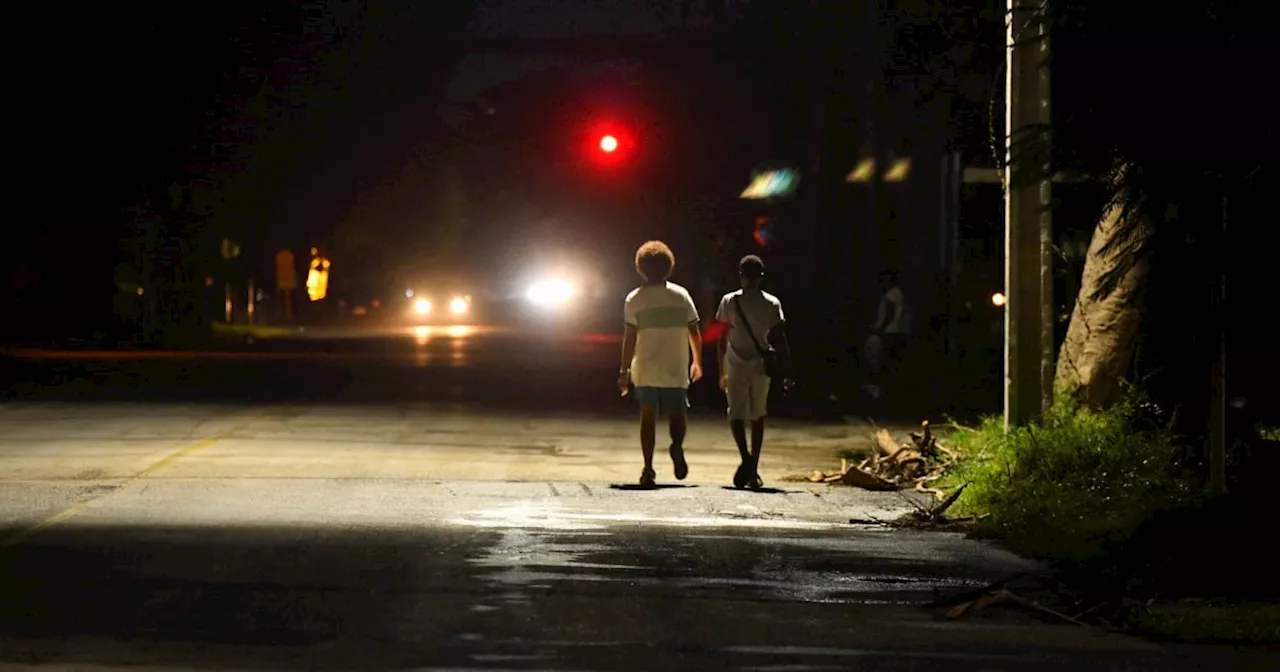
(1114, 502)
(1064, 486)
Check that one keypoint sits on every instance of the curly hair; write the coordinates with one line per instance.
(654, 261)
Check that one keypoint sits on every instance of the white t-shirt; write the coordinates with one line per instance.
(899, 319)
(661, 315)
(764, 312)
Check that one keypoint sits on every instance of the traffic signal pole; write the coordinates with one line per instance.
(1029, 312)
(813, 214)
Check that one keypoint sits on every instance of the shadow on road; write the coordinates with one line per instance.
(331, 597)
(761, 491)
(637, 486)
(505, 595)
(237, 587)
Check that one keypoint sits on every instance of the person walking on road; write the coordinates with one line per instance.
(661, 329)
(753, 320)
(887, 348)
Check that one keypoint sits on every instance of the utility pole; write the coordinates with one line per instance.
(1029, 313)
(949, 248)
(812, 195)
(874, 101)
(1218, 373)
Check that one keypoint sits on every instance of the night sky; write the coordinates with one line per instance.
(370, 100)
(547, 18)
(328, 104)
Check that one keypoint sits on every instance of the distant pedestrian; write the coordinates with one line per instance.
(748, 362)
(661, 330)
(890, 334)
(894, 315)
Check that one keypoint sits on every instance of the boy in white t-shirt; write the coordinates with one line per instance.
(661, 330)
(754, 319)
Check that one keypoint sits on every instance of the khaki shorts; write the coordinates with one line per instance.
(748, 396)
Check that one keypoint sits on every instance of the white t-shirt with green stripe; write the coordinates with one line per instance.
(661, 315)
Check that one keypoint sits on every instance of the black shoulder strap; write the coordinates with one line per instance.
(747, 324)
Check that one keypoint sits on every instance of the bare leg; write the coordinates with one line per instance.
(743, 475)
(648, 422)
(679, 425)
(757, 442)
(757, 439)
(739, 430)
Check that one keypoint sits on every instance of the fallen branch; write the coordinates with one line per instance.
(975, 593)
(885, 443)
(1003, 595)
(1091, 610)
(936, 515)
(1032, 604)
(994, 597)
(920, 487)
(861, 479)
(941, 509)
(924, 441)
(895, 466)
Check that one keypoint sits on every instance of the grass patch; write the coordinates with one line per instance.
(1106, 498)
(1063, 487)
(1209, 623)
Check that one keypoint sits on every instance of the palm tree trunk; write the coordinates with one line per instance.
(1102, 333)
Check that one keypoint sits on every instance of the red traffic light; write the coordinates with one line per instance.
(608, 144)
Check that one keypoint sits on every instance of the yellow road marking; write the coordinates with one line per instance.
(174, 457)
(21, 535)
(71, 511)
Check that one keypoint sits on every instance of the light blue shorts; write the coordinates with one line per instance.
(667, 399)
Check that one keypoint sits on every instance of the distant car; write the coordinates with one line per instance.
(438, 305)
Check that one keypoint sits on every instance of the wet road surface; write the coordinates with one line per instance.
(347, 504)
(399, 574)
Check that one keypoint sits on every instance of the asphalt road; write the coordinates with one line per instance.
(549, 369)
(459, 501)
(494, 367)
(458, 364)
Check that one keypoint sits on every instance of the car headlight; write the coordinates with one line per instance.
(551, 293)
(458, 305)
(422, 307)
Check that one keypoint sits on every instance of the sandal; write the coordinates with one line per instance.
(677, 458)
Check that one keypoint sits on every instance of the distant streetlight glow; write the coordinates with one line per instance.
(318, 279)
(898, 171)
(865, 171)
(772, 184)
(608, 143)
(551, 293)
(997, 299)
